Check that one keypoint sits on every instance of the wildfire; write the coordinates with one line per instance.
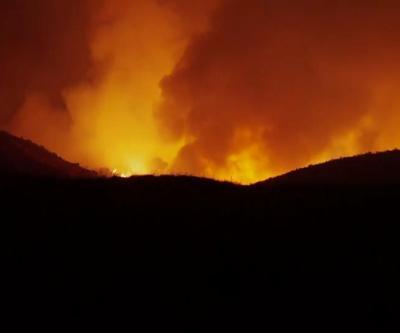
(175, 87)
(116, 173)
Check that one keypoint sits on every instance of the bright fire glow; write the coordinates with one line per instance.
(233, 90)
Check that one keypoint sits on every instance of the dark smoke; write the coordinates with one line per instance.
(301, 73)
(44, 48)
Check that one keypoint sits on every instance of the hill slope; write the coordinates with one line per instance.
(187, 251)
(369, 169)
(23, 157)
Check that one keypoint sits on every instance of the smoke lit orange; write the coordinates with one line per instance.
(236, 90)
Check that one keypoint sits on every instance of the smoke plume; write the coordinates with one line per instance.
(228, 89)
(274, 85)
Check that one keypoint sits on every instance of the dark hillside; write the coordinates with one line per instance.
(20, 157)
(374, 168)
(191, 252)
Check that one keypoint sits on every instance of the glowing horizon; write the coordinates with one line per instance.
(224, 89)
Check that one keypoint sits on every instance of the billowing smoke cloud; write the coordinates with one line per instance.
(82, 77)
(277, 84)
(221, 88)
(43, 49)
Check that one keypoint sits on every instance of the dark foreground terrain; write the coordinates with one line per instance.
(318, 247)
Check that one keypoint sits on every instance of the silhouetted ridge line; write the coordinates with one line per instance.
(21, 157)
(371, 168)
